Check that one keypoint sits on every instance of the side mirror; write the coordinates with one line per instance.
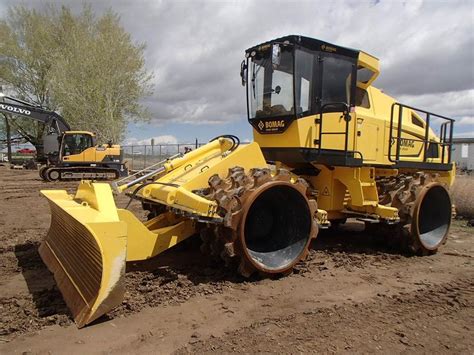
(346, 114)
(243, 72)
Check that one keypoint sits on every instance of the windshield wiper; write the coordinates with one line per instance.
(253, 80)
(254, 74)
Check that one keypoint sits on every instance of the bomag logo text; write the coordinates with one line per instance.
(404, 142)
(274, 124)
(271, 126)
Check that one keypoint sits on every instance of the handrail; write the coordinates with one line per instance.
(444, 139)
(347, 118)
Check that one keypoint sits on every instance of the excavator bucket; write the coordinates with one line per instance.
(86, 249)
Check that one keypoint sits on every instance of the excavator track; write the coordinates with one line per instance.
(259, 201)
(79, 173)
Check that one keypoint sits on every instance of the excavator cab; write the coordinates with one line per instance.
(74, 143)
(80, 157)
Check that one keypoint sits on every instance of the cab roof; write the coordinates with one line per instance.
(364, 60)
(310, 43)
(79, 132)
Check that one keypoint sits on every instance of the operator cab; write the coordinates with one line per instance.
(294, 76)
(76, 142)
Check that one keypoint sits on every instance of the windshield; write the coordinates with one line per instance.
(271, 83)
(76, 143)
(288, 83)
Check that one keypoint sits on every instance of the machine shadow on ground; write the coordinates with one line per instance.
(352, 238)
(40, 282)
(187, 259)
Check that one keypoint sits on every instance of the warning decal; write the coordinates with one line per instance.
(325, 191)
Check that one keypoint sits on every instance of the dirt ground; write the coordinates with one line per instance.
(353, 294)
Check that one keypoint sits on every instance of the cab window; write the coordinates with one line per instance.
(76, 143)
(362, 98)
(417, 121)
(336, 81)
(364, 74)
(303, 77)
(271, 89)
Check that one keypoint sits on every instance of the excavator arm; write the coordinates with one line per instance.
(25, 109)
(55, 123)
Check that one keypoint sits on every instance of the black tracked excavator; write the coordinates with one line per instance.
(68, 154)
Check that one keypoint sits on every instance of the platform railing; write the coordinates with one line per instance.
(445, 137)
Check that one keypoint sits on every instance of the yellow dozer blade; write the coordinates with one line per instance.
(90, 240)
(86, 250)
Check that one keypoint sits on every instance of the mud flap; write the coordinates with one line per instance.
(86, 249)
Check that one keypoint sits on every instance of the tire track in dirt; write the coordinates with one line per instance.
(433, 319)
(169, 280)
(30, 301)
(175, 277)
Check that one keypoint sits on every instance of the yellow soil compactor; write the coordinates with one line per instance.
(327, 146)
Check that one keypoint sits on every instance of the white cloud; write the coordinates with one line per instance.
(165, 139)
(195, 48)
(466, 120)
(464, 134)
(424, 49)
(455, 104)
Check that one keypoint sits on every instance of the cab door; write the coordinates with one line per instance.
(76, 147)
(368, 132)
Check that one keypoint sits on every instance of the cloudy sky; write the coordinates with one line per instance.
(195, 48)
